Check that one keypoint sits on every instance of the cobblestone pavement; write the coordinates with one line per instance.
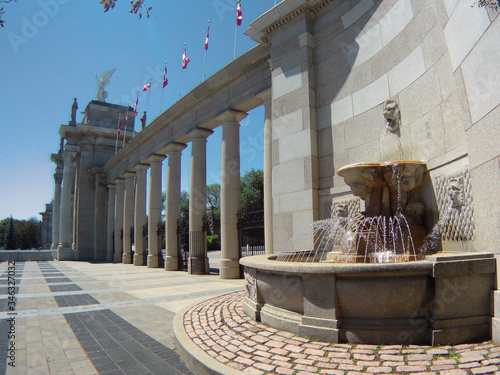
(220, 328)
(64, 318)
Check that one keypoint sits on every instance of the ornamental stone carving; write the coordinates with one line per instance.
(251, 283)
(455, 203)
(392, 115)
(346, 207)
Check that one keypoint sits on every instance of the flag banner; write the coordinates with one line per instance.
(146, 87)
(185, 60)
(119, 125)
(165, 79)
(208, 33)
(126, 118)
(136, 102)
(239, 15)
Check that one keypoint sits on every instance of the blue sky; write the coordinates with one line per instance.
(50, 50)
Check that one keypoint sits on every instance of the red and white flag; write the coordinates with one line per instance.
(185, 60)
(239, 14)
(119, 125)
(126, 118)
(206, 40)
(165, 79)
(147, 87)
(136, 102)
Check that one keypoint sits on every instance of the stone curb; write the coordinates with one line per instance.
(192, 355)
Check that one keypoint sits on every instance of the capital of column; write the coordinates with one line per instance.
(232, 116)
(175, 148)
(200, 134)
(57, 159)
(119, 181)
(265, 96)
(141, 167)
(129, 174)
(69, 158)
(156, 158)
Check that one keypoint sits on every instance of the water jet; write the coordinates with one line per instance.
(373, 277)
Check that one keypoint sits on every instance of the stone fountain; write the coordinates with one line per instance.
(375, 277)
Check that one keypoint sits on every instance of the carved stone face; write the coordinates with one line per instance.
(392, 115)
(340, 210)
(456, 192)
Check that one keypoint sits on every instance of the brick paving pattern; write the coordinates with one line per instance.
(221, 328)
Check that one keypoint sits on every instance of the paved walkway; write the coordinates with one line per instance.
(68, 318)
(227, 336)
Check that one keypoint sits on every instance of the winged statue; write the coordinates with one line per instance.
(102, 82)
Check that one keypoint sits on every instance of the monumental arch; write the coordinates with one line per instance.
(325, 71)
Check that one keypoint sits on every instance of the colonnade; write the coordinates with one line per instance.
(127, 196)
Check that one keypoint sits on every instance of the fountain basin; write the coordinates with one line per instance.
(444, 299)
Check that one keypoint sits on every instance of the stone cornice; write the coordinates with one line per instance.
(261, 29)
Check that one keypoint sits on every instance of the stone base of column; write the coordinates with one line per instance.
(140, 259)
(65, 252)
(153, 261)
(171, 263)
(127, 258)
(118, 258)
(229, 269)
(198, 266)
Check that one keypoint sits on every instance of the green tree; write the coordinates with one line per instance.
(28, 233)
(10, 235)
(3, 230)
(213, 199)
(252, 191)
(184, 205)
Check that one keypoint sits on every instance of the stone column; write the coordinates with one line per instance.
(128, 216)
(140, 215)
(154, 210)
(120, 192)
(268, 169)
(56, 209)
(173, 204)
(100, 217)
(230, 194)
(64, 251)
(111, 222)
(198, 260)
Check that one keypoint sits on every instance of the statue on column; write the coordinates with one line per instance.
(143, 120)
(74, 108)
(101, 94)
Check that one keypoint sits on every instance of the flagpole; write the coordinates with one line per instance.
(118, 132)
(206, 50)
(124, 132)
(236, 31)
(163, 88)
(149, 94)
(235, 38)
(182, 71)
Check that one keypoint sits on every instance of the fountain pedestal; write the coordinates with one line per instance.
(444, 299)
(392, 224)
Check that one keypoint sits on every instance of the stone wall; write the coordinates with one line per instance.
(336, 64)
